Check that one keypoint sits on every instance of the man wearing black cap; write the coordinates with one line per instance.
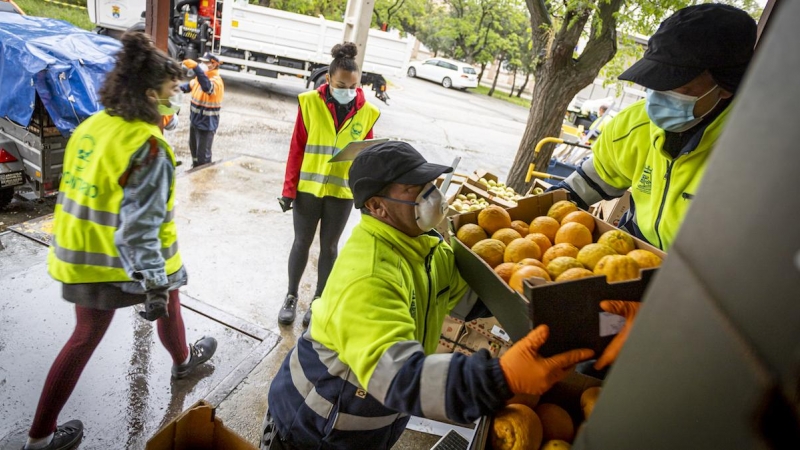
(658, 147)
(367, 360)
(207, 90)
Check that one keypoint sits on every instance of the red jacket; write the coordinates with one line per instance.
(300, 137)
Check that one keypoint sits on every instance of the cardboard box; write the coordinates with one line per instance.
(513, 310)
(538, 183)
(452, 330)
(611, 211)
(473, 182)
(484, 334)
(197, 428)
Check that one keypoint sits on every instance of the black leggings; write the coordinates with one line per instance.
(308, 211)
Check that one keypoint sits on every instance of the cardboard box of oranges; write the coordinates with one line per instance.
(559, 249)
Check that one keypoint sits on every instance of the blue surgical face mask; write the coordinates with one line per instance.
(343, 96)
(672, 111)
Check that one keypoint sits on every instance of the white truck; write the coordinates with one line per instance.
(254, 42)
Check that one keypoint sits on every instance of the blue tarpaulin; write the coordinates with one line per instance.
(64, 64)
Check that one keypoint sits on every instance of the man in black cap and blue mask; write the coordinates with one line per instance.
(658, 147)
(367, 362)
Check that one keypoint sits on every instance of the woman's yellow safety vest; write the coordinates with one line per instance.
(87, 213)
(318, 177)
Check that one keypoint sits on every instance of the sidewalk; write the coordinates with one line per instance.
(506, 88)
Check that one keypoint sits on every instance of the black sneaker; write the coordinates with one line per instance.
(201, 351)
(288, 310)
(66, 436)
(307, 315)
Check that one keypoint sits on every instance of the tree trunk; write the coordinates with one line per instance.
(480, 75)
(552, 92)
(496, 76)
(513, 83)
(524, 85)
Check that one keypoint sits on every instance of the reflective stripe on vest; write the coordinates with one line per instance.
(318, 176)
(87, 213)
(321, 405)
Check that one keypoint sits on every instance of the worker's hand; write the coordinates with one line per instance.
(189, 64)
(286, 203)
(627, 310)
(528, 373)
(155, 304)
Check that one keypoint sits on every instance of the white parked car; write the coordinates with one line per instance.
(445, 71)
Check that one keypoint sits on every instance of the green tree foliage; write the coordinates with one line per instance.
(404, 15)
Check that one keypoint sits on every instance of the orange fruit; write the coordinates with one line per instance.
(619, 240)
(559, 265)
(541, 240)
(470, 234)
(506, 235)
(529, 400)
(646, 259)
(574, 274)
(526, 272)
(521, 227)
(505, 270)
(581, 217)
(617, 268)
(493, 218)
(588, 399)
(559, 250)
(559, 210)
(556, 444)
(545, 225)
(516, 427)
(591, 254)
(520, 249)
(491, 251)
(575, 234)
(530, 262)
(556, 422)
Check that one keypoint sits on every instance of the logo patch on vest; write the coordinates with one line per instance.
(360, 393)
(413, 309)
(645, 184)
(356, 130)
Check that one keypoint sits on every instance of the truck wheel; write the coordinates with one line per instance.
(6, 195)
(412, 72)
(447, 83)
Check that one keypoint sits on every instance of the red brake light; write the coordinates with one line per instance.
(6, 157)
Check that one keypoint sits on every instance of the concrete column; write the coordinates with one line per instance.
(357, 18)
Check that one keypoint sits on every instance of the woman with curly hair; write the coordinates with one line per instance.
(114, 240)
(328, 119)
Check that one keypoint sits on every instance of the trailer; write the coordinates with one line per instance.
(50, 72)
(254, 42)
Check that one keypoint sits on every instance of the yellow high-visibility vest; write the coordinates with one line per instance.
(90, 198)
(317, 176)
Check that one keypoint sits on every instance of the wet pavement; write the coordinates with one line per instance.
(235, 242)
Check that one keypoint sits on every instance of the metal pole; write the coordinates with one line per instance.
(157, 15)
(357, 18)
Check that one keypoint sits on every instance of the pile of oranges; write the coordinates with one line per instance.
(556, 247)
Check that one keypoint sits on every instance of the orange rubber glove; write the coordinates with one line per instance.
(189, 64)
(627, 310)
(528, 373)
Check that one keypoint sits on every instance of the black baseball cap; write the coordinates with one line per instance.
(208, 56)
(713, 37)
(389, 162)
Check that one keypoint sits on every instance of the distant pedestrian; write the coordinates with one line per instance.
(207, 91)
(115, 242)
(328, 119)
